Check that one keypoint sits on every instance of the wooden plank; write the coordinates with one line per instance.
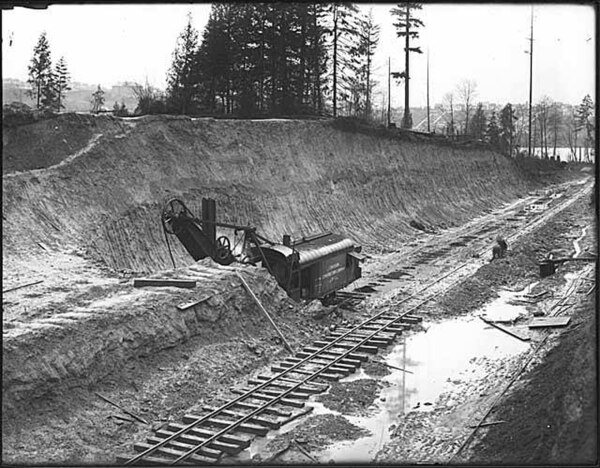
(269, 410)
(264, 311)
(170, 452)
(323, 375)
(296, 394)
(237, 439)
(317, 386)
(185, 446)
(142, 282)
(257, 420)
(231, 449)
(335, 369)
(280, 384)
(309, 350)
(363, 347)
(188, 305)
(22, 286)
(282, 401)
(543, 322)
(506, 330)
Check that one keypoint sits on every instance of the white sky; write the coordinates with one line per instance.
(106, 44)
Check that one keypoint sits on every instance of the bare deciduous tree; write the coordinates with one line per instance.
(448, 108)
(466, 91)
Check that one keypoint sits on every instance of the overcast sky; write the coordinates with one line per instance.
(106, 44)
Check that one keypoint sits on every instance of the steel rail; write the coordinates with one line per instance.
(231, 403)
(306, 380)
(234, 425)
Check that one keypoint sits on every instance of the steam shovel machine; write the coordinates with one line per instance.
(308, 268)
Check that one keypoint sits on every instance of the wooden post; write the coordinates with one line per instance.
(264, 311)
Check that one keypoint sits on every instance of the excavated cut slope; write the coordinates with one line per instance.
(284, 176)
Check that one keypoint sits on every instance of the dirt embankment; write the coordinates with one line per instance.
(283, 176)
(82, 344)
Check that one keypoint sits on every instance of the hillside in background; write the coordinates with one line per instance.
(78, 98)
(103, 181)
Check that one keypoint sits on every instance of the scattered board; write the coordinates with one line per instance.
(542, 322)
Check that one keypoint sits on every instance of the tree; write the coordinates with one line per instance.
(368, 38)
(406, 26)
(493, 131)
(150, 100)
(542, 111)
(467, 90)
(478, 123)
(555, 122)
(97, 100)
(448, 108)
(61, 82)
(584, 121)
(507, 129)
(183, 78)
(40, 74)
(342, 30)
(120, 110)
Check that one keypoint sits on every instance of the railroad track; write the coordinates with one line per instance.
(514, 222)
(269, 401)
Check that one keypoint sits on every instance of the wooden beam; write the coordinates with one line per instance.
(142, 282)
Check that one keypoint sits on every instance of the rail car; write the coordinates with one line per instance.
(308, 268)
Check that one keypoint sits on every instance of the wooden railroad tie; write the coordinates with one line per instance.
(323, 375)
(285, 401)
(268, 410)
(228, 448)
(257, 420)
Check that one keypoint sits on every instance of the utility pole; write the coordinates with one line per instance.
(389, 91)
(530, 77)
(428, 120)
(405, 123)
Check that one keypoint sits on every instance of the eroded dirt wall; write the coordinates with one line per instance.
(284, 176)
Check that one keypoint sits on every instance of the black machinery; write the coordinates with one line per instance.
(309, 268)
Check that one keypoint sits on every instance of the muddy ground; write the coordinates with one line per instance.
(75, 425)
(92, 365)
(545, 418)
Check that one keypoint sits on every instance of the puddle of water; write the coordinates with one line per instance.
(576, 242)
(443, 354)
(449, 352)
(502, 309)
(437, 359)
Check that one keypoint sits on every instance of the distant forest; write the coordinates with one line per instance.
(304, 60)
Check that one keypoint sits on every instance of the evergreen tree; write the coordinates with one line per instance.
(264, 57)
(478, 125)
(407, 26)
(342, 29)
(215, 58)
(584, 121)
(368, 38)
(61, 82)
(493, 131)
(183, 79)
(40, 74)
(507, 129)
